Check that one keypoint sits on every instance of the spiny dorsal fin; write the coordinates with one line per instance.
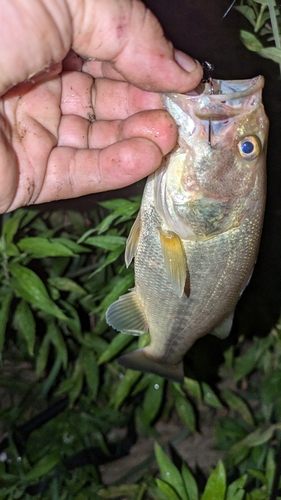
(175, 261)
(126, 315)
(132, 241)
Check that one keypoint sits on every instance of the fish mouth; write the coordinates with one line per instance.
(227, 90)
(222, 100)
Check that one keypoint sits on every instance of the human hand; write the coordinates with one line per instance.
(78, 126)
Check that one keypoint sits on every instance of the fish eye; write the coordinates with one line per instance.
(249, 147)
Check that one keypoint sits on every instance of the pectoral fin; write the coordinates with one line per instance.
(223, 330)
(126, 315)
(138, 360)
(175, 262)
(132, 241)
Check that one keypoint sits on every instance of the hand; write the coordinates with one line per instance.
(79, 112)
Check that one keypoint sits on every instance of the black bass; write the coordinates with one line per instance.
(196, 238)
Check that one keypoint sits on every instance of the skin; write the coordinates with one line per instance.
(79, 111)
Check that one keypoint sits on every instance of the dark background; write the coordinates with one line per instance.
(198, 28)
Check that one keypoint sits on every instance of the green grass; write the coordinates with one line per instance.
(59, 272)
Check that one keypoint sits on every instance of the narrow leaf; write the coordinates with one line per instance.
(210, 397)
(216, 484)
(4, 315)
(55, 336)
(77, 385)
(248, 12)
(72, 318)
(193, 386)
(42, 356)
(122, 206)
(67, 285)
(170, 473)
(240, 450)
(25, 324)
(126, 384)
(185, 411)
(111, 257)
(165, 488)
(236, 491)
(152, 400)
(190, 483)
(40, 247)
(107, 242)
(91, 371)
(270, 468)
(120, 287)
(45, 465)
(31, 288)
(250, 41)
(272, 53)
(11, 226)
(119, 342)
(72, 245)
(98, 344)
(236, 403)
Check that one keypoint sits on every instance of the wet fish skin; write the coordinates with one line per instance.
(196, 238)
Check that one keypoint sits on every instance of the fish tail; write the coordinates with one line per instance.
(138, 360)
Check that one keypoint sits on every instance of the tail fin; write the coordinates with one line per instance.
(138, 360)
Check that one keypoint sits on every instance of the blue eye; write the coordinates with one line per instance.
(249, 147)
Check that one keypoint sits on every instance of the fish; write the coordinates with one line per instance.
(196, 238)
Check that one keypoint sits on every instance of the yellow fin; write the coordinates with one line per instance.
(138, 360)
(126, 315)
(132, 241)
(175, 262)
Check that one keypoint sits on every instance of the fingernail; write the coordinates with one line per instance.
(186, 62)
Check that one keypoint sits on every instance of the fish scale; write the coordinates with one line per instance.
(196, 238)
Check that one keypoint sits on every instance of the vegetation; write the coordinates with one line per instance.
(67, 406)
(264, 17)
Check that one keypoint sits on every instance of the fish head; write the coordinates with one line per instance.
(216, 174)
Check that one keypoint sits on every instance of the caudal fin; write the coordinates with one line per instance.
(137, 360)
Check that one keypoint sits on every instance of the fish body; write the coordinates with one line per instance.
(196, 238)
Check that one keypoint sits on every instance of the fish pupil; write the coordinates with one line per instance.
(247, 147)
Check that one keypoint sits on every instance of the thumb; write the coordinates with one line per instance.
(126, 34)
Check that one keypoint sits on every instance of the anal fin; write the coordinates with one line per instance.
(175, 262)
(223, 330)
(126, 315)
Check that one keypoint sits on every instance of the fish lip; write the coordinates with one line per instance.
(248, 87)
(222, 104)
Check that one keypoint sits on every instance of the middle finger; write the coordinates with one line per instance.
(103, 99)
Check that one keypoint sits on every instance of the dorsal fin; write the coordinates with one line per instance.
(132, 241)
